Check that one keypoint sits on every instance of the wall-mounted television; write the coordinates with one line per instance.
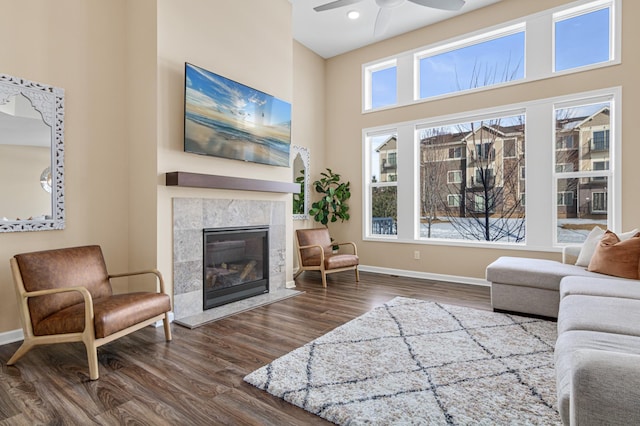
(224, 118)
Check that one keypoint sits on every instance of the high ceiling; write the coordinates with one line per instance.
(330, 33)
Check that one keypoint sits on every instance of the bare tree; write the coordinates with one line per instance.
(493, 206)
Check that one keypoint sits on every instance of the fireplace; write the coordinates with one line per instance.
(236, 264)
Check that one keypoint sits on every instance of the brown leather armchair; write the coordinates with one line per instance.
(65, 295)
(315, 253)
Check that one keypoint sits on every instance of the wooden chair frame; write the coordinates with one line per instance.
(88, 336)
(321, 268)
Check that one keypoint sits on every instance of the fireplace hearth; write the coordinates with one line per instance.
(236, 264)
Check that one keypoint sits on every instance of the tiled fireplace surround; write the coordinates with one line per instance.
(190, 217)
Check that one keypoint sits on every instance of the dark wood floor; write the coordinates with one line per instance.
(197, 378)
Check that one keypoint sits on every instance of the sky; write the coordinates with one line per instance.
(234, 100)
(580, 40)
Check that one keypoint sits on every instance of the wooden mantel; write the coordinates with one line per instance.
(199, 180)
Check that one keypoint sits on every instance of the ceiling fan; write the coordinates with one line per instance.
(386, 6)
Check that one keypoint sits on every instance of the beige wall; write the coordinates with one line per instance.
(308, 116)
(344, 124)
(77, 45)
(247, 41)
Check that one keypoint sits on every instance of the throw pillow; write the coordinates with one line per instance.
(589, 245)
(615, 257)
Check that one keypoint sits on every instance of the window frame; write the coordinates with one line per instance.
(541, 211)
(539, 60)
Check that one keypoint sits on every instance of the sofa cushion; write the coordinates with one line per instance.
(605, 287)
(597, 313)
(616, 257)
(539, 273)
(566, 346)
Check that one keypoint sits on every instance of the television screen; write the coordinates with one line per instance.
(224, 118)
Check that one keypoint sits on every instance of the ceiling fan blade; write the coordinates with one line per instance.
(335, 4)
(440, 4)
(382, 21)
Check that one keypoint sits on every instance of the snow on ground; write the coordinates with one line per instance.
(446, 230)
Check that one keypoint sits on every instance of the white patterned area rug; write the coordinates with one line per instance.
(417, 362)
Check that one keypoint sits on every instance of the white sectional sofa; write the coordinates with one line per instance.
(597, 354)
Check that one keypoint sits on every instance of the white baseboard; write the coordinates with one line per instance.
(11, 336)
(425, 275)
(290, 284)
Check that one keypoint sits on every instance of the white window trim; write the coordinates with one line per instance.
(539, 53)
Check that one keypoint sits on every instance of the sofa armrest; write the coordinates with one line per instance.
(570, 253)
(605, 388)
(147, 271)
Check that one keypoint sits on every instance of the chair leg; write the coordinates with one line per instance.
(23, 349)
(324, 279)
(92, 357)
(357, 274)
(300, 270)
(167, 328)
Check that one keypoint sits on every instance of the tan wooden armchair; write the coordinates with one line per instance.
(315, 253)
(65, 295)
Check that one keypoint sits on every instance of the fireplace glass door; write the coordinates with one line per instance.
(236, 264)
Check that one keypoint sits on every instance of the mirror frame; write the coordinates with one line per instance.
(304, 155)
(48, 101)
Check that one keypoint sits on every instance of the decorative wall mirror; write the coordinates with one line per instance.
(31, 155)
(300, 168)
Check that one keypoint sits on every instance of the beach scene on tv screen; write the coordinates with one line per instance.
(224, 118)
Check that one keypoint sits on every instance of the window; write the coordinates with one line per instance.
(600, 141)
(582, 37)
(471, 64)
(583, 34)
(523, 198)
(565, 198)
(584, 172)
(453, 200)
(485, 151)
(479, 203)
(381, 85)
(599, 202)
(564, 167)
(454, 176)
(565, 142)
(491, 188)
(523, 172)
(392, 158)
(455, 152)
(509, 148)
(483, 176)
(383, 209)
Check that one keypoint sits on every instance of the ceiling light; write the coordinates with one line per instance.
(353, 14)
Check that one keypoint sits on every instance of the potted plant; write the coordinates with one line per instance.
(332, 204)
